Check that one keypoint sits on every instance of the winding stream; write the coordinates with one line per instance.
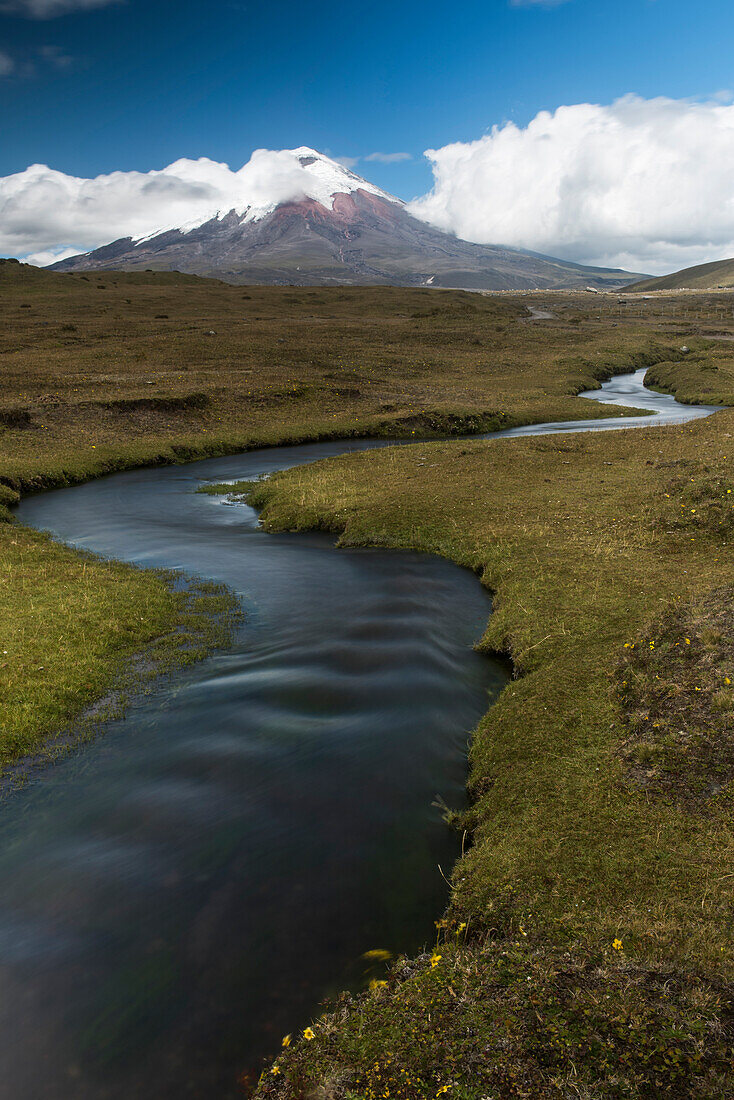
(187, 888)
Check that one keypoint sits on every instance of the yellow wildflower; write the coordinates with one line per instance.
(308, 1033)
(435, 959)
(275, 1069)
(617, 945)
(377, 983)
(286, 1041)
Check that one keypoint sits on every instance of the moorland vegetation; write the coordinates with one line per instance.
(586, 947)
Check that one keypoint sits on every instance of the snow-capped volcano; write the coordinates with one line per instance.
(273, 177)
(296, 216)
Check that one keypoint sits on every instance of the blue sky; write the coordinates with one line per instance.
(138, 84)
(600, 131)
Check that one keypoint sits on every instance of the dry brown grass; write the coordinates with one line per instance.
(120, 369)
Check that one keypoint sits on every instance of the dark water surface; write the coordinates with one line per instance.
(186, 889)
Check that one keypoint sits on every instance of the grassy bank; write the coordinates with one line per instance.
(703, 376)
(78, 633)
(106, 373)
(587, 946)
(586, 951)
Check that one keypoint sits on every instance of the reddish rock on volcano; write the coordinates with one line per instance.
(358, 235)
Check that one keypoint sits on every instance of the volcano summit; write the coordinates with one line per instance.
(314, 222)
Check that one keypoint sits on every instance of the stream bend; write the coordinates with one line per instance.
(184, 890)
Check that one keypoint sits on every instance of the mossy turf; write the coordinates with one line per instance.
(584, 552)
(703, 376)
(511, 1017)
(676, 687)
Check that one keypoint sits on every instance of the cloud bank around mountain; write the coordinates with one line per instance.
(46, 215)
(642, 184)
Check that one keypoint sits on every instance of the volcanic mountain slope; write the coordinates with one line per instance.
(712, 276)
(335, 228)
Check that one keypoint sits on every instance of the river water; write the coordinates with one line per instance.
(183, 891)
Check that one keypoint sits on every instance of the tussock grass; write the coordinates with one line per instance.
(695, 499)
(95, 380)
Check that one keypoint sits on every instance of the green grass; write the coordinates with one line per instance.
(567, 534)
(516, 1018)
(589, 543)
(73, 625)
(677, 699)
(704, 376)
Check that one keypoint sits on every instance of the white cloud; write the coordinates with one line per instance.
(642, 184)
(49, 256)
(48, 9)
(7, 65)
(388, 158)
(42, 209)
(647, 185)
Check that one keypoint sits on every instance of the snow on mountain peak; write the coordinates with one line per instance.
(269, 178)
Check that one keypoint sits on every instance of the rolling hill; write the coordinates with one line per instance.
(714, 276)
